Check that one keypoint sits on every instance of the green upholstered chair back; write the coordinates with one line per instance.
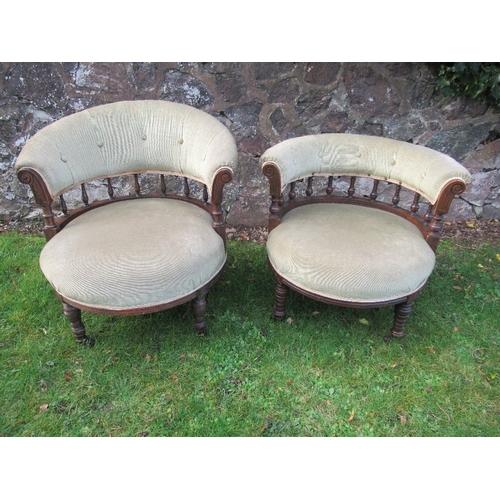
(418, 168)
(129, 137)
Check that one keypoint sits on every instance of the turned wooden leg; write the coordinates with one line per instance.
(77, 327)
(280, 292)
(200, 306)
(401, 314)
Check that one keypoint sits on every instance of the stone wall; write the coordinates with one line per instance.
(262, 104)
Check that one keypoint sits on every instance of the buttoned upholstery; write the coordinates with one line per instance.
(126, 137)
(142, 251)
(421, 169)
(354, 249)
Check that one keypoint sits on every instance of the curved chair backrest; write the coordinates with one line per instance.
(416, 167)
(328, 238)
(127, 137)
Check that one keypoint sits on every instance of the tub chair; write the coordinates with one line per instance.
(355, 220)
(132, 250)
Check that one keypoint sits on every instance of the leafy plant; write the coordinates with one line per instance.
(478, 80)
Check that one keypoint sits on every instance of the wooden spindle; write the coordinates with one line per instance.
(374, 193)
(163, 186)
(137, 186)
(329, 187)
(435, 228)
(428, 214)
(292, 194)
(401, 315)
(85, 196)
(274, 212)
(186, 188)
(309, 189)
(396, 198)
(351, 190)
(415, 205)
(280, 293)
(64, 207)
(200, 307)
(111, 193)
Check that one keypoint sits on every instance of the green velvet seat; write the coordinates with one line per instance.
(94, 262)
(339, 252)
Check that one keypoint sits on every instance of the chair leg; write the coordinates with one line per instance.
(200, 307)
(401, 314)
(77, 327)
(280, 291)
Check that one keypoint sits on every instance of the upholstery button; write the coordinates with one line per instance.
(181, 140)
(64, 159)
(100, 144)
(144, 137)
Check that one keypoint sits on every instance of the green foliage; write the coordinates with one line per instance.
(477, 80)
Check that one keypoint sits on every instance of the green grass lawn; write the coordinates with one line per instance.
(326, 371)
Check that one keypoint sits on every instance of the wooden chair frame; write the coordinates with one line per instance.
(57, 216)
(429, 223)
(54, 223)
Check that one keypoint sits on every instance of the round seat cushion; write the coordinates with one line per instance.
(133, 254)
(350, 253)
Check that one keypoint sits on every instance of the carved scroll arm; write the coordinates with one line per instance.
(272, 172)
(42, 197)
(441, 207)
(222, 177)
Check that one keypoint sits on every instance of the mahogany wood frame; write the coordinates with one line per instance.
(55, 223)
(430, 225)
